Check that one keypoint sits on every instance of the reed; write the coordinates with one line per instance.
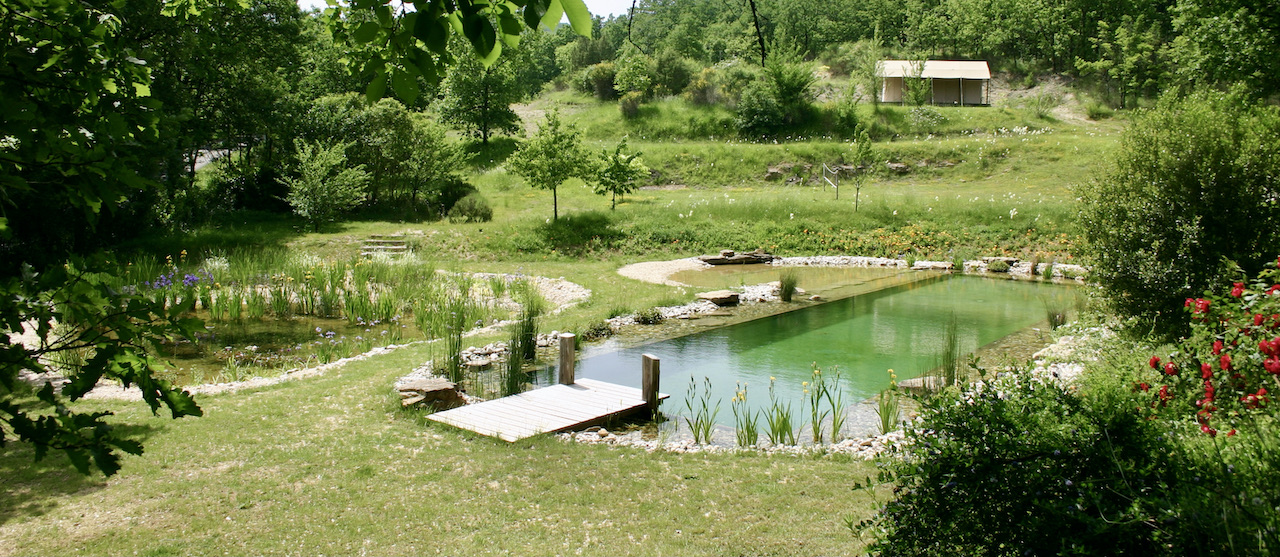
(888, 406)
(702, 414)
(779, 419)
(746, 422)
(787, 282)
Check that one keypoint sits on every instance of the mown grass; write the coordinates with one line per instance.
(331, 465)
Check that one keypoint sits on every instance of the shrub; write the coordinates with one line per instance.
(633, 76)
(472, 208)
(629, 104)
(671, 73)
(998, 266)
(1193, 185)
(598, 79)
(651, 316)
(759, 113)
(1043, 102)
(925, 119)
(1098, 111)
(702, 88)
(597, 331)
(1021, 466)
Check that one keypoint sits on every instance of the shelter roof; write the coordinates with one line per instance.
(937, 69)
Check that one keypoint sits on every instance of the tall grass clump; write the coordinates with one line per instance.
(1055, 315)
(779, 419)
(948, 372)
(532, 305)
(834, 394)
(746, 421)
(815, 392)
(888, 406)
(702, 414)
(456, 308)
(787, 281)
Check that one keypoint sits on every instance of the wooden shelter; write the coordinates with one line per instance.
(953, 82)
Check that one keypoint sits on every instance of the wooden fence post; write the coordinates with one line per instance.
(649, 372)
(567, 357)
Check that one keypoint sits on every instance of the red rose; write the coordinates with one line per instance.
(1273, 365)
(1257, 319)
(1206, 371)
(1237, 290)
(1202, 305)
(1164, 393)
(1170, 368)
(1208, 430)
(1224, 363)
(1154, 362)
(1274, 288)
(1217, 347)
(1230, 433)
(1188, 303)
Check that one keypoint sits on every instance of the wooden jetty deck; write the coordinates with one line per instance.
(547, 410)
(568, 405)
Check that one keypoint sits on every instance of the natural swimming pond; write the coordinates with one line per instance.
(901, 327)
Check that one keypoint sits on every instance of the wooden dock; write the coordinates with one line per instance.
(569, 405)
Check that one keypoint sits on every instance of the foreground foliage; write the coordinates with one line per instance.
(1132, 464)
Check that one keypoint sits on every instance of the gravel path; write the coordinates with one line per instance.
(658, 272)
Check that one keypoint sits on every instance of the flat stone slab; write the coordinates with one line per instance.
(720, 298)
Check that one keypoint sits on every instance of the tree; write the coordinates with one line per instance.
(394, 46)
(1228, 41)
(478, 98)
(1192, 189)
(619, 173)
(863, 155)
(77, 105)
(1130, 57)
(550, 157)
(326, 186)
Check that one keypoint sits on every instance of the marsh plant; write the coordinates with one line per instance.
(815, 391)
(1056, 315)
(888, 406)
(949, 370)
(779, 419)
(531, 307)
(746, 421)
(787, 284)
(702, 414)
(457, 307)
(833, 393)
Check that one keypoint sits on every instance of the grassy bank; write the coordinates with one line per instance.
(330, 465)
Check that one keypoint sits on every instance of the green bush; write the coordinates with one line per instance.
(1193, 186)
(472, 208)
(651, 316)
(1098, 111)
(759, 113)
(1021, 466)
(702, 88)
(998, 266)
(596, 331)
(597, 80)
(629, 104)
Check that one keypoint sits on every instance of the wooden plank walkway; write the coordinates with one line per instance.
(547, 410)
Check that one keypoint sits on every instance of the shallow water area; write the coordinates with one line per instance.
(858, 338)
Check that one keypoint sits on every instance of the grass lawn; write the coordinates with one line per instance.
(331, 465)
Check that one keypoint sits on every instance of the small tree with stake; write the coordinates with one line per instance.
(550, 157)
(863, 154)
(619, 173)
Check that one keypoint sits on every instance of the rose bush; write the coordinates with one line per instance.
(1225, 372)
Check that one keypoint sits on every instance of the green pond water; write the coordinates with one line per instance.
(901, 327)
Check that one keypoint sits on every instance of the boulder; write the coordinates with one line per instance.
(898, 167)
(435, 392)
(720, 297)
(737, 259)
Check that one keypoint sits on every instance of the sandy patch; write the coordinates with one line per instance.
(658, 272)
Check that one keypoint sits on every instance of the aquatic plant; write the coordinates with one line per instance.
(746, 421)
(702, 415)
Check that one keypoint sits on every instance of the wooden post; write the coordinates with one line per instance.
(567, 356)
(649, 381)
